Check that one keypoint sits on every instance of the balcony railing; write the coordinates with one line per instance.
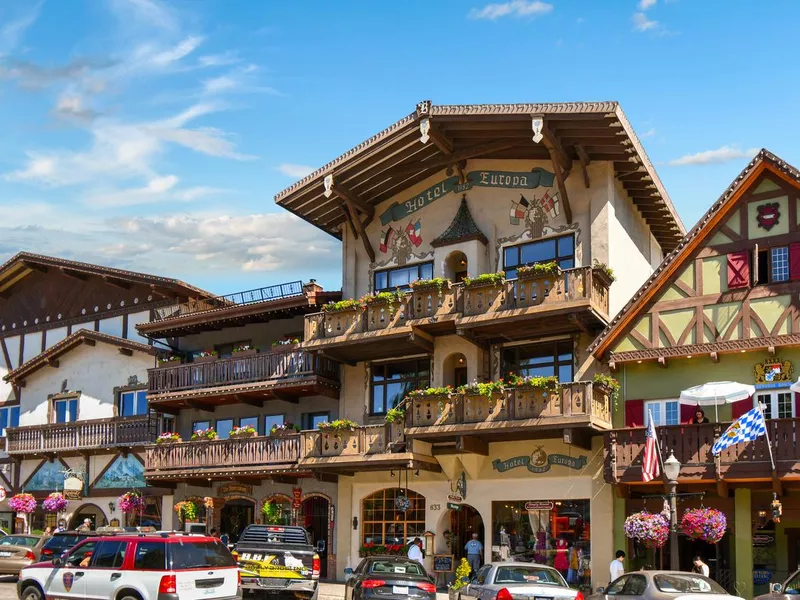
(80, 435)
(267, 366)
(692, 445)
(583, 283)
(223, 454)
(366, 440)
(577, 400)
(264, 294)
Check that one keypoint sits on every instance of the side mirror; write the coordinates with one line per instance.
(776, 588)
(601, 590)
(320, 545)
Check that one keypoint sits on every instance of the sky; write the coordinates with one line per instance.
(152, 135)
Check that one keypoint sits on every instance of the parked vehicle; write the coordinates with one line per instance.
(19, 551)
(280, 560)
(782, 591)
(511, 580)
(61, 541)
(136, 567)
(389, 578)
(663, 585)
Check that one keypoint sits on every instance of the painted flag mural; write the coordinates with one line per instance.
(414, 231)
(386, 239)
(550, 205)
(518, 210)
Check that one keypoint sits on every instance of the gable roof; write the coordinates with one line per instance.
(23, 264)
(69, 343)
(650, 291)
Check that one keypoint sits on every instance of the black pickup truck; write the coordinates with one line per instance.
(278, 560)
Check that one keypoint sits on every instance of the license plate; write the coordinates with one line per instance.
(400, 590)
(5, 554)
(542, 598)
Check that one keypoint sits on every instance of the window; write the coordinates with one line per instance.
(224, 427)
(635, 586)
(133, 403)
(109, 555)
(226, 350)
(665, 412)
(391, 382)
(150, 556)
(402, 277)
(384, 524)
(9, 417)
(396, 567)
(249, 421)
(526, 574)
(540, 360)
(166, 424)
(674, 583)
(617, 586)
(65, 410)
(738, 269)
(80, 554)
(312, 420)
(779, 264)
(271, 421)
(198, 555)
(200, 425)
(560, 250)
(777, 404)
(483, 573)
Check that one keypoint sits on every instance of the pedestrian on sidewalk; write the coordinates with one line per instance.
(474, 553)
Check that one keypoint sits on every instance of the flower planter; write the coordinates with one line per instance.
(430, 301)
(204, 359)
(603, 277)
(243, 436)
(533, 288)
(343, 322)
(481, 298)
(169, 363)
(344, 443)
(484, 409)
(382, 315)
(534, 402)
(243, 353)
(432, 410)
(285, 347)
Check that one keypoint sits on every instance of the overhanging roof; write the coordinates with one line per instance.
(396, 159)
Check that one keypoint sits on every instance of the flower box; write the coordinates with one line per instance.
(343, 322)
(385, 314)
(243, 353)
(342, 443)
(533, 286)
(532, 402)
(204, 359)
(432, 301)
(432, 410)
(484, 295)
(482, 408)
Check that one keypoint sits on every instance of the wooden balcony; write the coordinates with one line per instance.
(518, 413)
(692, 445)
(368, 448)
(257, 457)
(574, 300)
(282, 374)
(80, 436)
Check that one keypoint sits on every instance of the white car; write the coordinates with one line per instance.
(136, 567)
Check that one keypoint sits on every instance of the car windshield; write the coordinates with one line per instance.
(196, 555)
(524, 574)
(687, 584)
(63, 541)
(19, 540)
(396, 567)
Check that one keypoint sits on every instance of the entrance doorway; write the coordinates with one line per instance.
(88, 511)
(236, 515)
(778, 404)
(463, 523)
(315, 512)
(455, 266)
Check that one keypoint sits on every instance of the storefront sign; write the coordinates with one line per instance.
(773, 371)
(443, 563)
(453, 506)
(73, 488)
(761, 576)
(235, 489)
(525, 180)
(297, 497)
(459, 488)
(762, 539)
(540, 462)
(539, 505)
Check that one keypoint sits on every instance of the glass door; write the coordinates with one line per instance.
(778, 404)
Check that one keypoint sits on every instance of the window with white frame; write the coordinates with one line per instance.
(665, 412)
(65, 410)
(9, 417)
(133, 403)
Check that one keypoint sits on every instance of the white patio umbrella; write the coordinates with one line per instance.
(795, 387)
(716, 393)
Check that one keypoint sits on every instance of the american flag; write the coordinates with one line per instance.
(650, 467)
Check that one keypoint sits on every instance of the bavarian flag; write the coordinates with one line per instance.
(749, 426)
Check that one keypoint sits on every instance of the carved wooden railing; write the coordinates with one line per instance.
(276, 365)
(80, 435)
(228, 454)
(369, 439)
(581, 398)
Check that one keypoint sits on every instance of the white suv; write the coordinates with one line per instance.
(136, 567)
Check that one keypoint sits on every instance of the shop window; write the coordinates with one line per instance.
(132, 403)
(391, 382)
(561, 250)
(65, 410)
(383, 524)
(9, 417)
(541, 360)
(664, 412)
(402, 277)
(546, 532)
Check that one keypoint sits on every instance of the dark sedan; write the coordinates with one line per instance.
(389, 578)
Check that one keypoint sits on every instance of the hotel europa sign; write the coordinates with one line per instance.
(539, 462)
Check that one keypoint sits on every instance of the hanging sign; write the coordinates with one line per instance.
(540, 462)
(773, 372)
(526, 180)
(539, 505)
(763, 540)
(297, 497)
(235, 489)
(453, 506)
(73, 488)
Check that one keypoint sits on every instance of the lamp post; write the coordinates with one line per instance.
(672, 469)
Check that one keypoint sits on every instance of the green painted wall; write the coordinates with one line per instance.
(744, 542)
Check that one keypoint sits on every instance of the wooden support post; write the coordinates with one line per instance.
(583, 161)
(421, 339)
(472, 445)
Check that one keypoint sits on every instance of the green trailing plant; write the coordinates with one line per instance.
(286, 342)
(272, 513)
(338, 426)
(342, 306)
(486, 279)
(604, 268)
(202, 435)
(287, 427)
(391, 299)
(243, 348)
(395, 415)
(462, 570)
(549, 382)
(544, 269)
(482, 389)
(426, 285)
(431, 391)
(607, 382)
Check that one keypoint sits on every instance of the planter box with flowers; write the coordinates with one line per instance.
(381, 550)
(535, 282)
(385, 310)
(204, 435)
(431, 298)
(285, 345)
(283, 430)
(170, 361)
(651, 530)
(432, 406)
(168, 437)
(205, 356)
(605, 392)
(484, 293)
(342, 318)
(242, 433)
(484, 402)
(339, 438)
(534, 397)
(244, 350)
(603, 273)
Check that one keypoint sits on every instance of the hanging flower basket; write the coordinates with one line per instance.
(652, 530)
(22, 503)
(187, 510)
(131, 503)
(707, 524)
(54, 503)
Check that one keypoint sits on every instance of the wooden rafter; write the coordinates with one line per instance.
(354, 204)
(124, 285)
(583, 161)
(449, 159)
(440, 140)
(562, 165)
(74, 274)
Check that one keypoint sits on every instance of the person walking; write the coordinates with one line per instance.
(474, 552)
(700, 567)
(415, 550)
(617, 567)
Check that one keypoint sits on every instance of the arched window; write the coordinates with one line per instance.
(382, 523)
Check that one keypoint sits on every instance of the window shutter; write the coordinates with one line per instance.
(739, 269)
(796, 404)
(741, 407)
(634, 413)
(794, 261)
(687, 412)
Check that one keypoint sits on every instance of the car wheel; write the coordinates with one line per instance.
(31, 593)
(125, 597)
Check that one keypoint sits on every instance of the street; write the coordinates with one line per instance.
(8, 588)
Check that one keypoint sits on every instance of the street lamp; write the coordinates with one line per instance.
(672, 469)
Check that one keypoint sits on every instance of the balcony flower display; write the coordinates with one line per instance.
(202, 435)
(608, 382)
(381, 550)
(186, 510)
(131, 503)
(54, 503)
(549, 382)
(247, 431)
(206, 353)
(286, 342)
(242, 348)
(172, 358)
(22, 503)
(168, 437)
(428, 285)
(652, 530)
(548, 269)
(390, 299)
(482, 389)
(283, 429)
(707, 524)
(485, 279)
(604, 270)
(431, 391)
(395, 415)
(338, 426)
(342, 306)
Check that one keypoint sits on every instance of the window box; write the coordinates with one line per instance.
(432, 298)
(534, 402)
(243, 353)
(483, 408)
(603, 276)
(343, 322)
(204, 359)
(485, 293)
(428, 411)
(342, 443)
(385, 310)
(534, 284)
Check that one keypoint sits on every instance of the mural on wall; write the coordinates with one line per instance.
(768, 215)
(124, 472)
(399, 240)
(773, 371)
(48, 478)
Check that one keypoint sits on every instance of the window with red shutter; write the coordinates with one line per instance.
(739, 269)
(634, 413)
(794, 261)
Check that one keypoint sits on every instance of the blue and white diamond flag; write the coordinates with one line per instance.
(746, 428)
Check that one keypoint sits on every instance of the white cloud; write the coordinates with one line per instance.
(649, 133)
(646, 4)
(515, 8)
(159, 189)
(296, 171)
(150, 13)
(642, 23)
(172, 55)
(12, 31)
(711, 157)
(218, 60)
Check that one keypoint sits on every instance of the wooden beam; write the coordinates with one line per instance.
(722, 488)
(583, 161)
(449, 159)
(74, 274)
(199, 406)
(284, 397)
(553, 144)
(421, 339)
(124, 285)
(560, 182)
(472, 445)
(89, 342)
(580, 438)
(350, 223)
(622, 491)
(471, 338)
(52, 362)
(360, 228)
(345, 194)
(35, 267)
(440, 140)
(126, 351)
(576, 320)
(249, 401)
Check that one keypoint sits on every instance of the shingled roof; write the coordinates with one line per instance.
(462, 229)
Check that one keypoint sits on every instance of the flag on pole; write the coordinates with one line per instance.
(749, 426)
(650, 466)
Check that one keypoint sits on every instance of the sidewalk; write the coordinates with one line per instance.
(335, 591)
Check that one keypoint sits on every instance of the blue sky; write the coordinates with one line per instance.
(153, 135)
